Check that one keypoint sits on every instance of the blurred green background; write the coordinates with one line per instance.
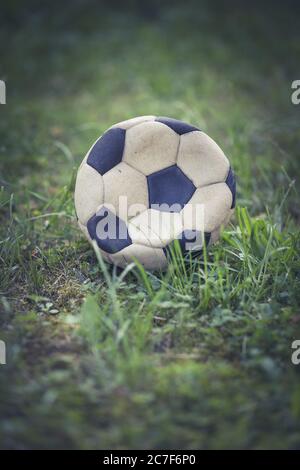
(196, 359)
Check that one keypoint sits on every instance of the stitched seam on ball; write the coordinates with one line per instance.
(177, 152)
(211, 184)
(142, 122)
(125, 260)
(131, 166)
(145, 235)
(149, 228)
(161, 241)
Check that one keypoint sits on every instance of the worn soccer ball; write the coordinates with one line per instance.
(149, 181)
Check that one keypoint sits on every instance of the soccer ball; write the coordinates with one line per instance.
(149, 181)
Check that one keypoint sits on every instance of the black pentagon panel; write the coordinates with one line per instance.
(109, 231)
(170, 187)
(230, 181)
(177, 126)
(189, 242)
(107, 151)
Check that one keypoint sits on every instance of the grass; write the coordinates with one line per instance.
(197, 357)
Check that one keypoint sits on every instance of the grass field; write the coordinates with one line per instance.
(200, 356)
